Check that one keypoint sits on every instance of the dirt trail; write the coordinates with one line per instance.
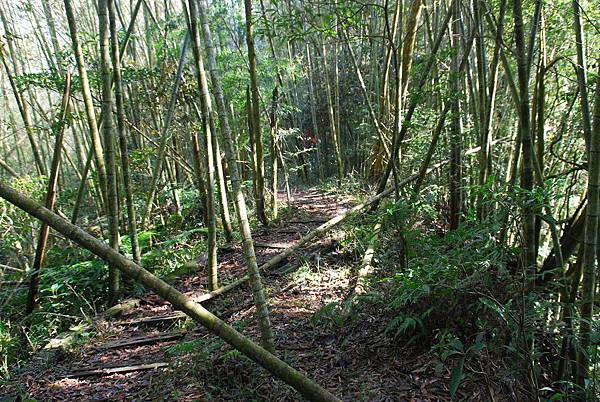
(153, 353)
(130, 358)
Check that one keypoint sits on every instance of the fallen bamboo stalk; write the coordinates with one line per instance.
(9, 268)
(154, 320)
(141, 341)
(308, 388)
(325, 227)
(116, 370)
(270, 245)
(366, 268)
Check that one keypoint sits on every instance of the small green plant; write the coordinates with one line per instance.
(405, 324)
(450, 347)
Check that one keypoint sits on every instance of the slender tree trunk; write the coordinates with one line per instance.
(313, 110)
(247, 243)
(590, 245)
(206, 106)
(455, 183)
(409, 43)
(274, 151)
(125, 173)
(48, 13)
(335, 135)
(108, 130)
(482, 101)
(199, 167)
(40, 252)
(580, 68)
(88, 101)
(225, 215)
(529, 262)
(256, 128)
(252, 140)
(528, 217)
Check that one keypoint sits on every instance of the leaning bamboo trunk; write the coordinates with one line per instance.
(308, 388)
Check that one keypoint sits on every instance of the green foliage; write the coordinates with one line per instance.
(144, 241)
(454, 288)
(8, 347)
(51, 80)
(167, 256)
(15, 225)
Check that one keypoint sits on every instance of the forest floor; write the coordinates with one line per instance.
(158, 354)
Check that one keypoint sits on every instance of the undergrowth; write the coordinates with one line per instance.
(73, 281)
(452, 293)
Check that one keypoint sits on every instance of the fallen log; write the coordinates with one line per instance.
(366, 268)
(308, 388)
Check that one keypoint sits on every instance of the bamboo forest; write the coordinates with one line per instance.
(287, 200)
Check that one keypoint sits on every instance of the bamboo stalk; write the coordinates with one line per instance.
(50, 199)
